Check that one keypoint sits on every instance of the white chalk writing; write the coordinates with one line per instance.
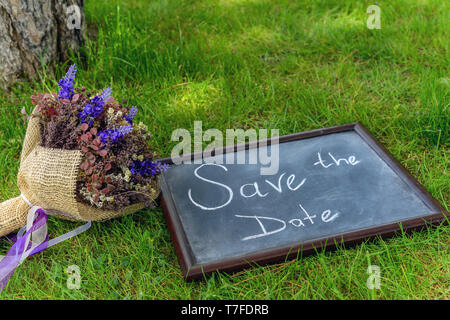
(271, 225)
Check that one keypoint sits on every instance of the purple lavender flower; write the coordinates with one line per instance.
(92, 110)
(131, 114)
(97, 104)
(66, 84)
(86, 115)
(147, 168)
(113, 135)
(106, 94)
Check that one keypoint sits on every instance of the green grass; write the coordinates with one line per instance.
(290, 65)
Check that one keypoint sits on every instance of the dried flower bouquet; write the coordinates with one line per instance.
(84, 158)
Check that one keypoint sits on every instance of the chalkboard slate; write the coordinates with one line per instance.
(332, 184)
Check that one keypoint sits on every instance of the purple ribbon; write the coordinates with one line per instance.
(14, 256)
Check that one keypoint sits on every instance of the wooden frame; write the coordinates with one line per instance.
(192, 271)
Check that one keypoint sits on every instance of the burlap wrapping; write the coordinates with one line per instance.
(47, 178)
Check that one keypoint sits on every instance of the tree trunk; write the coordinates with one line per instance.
(35, 33)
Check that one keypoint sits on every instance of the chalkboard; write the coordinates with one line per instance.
(333, 185)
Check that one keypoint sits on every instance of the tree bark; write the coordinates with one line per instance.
(35, 33)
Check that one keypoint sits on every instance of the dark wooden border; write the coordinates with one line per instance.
(193, 271)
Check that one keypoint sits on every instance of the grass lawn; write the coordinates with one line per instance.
(290, 65)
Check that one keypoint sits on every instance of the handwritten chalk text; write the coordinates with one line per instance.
(247, 190)
(337, 162)
(305, 219)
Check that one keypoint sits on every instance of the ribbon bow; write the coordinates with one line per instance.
(31, 239)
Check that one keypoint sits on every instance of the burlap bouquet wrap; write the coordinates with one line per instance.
(47, 178)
